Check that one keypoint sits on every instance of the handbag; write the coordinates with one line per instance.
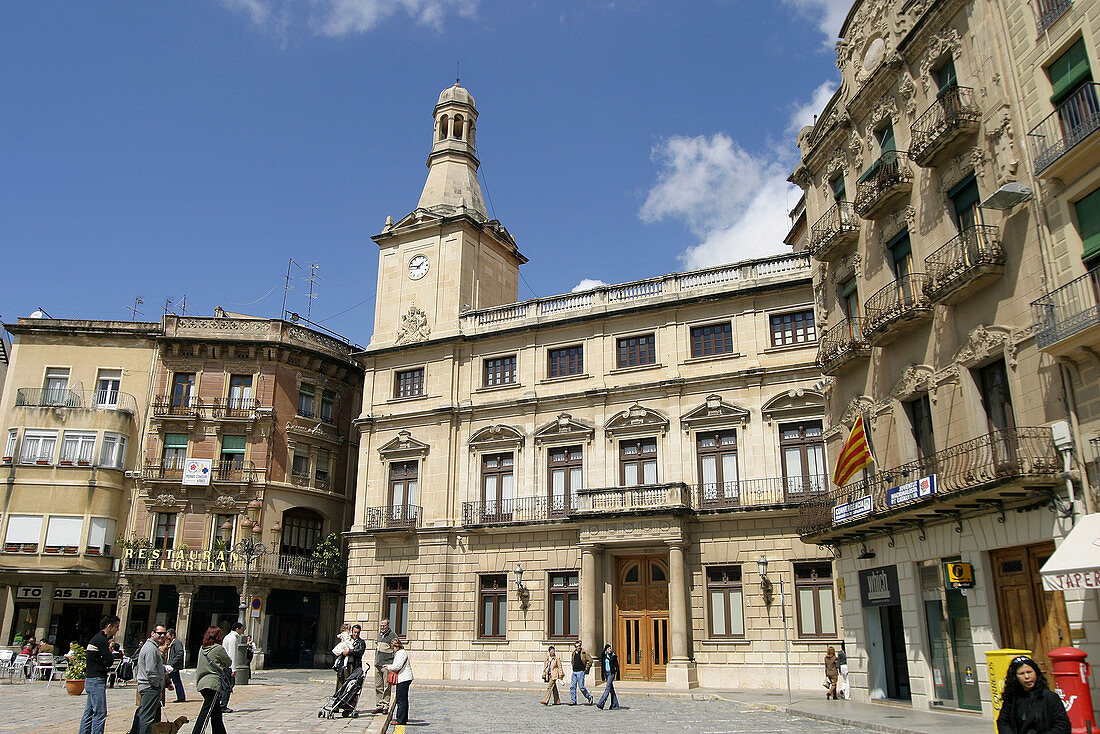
(391, 678)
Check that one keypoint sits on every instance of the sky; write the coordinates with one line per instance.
(188, 150)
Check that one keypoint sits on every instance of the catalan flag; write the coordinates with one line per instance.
(854, 455)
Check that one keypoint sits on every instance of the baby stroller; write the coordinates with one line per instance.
(347, 698)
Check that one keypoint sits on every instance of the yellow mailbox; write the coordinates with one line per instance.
(998, 661)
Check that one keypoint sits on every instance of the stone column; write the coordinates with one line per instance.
(122, 608)
(45, 610)
(183, 615)
(590, 596)
(7, 619)
(681, 669)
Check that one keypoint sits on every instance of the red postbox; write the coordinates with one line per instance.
(1071, 683)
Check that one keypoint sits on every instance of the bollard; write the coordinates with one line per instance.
(243, 672)
(1071, 683)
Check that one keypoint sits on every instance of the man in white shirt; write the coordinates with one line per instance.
(231, 643)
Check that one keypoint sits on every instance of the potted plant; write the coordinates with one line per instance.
(74, 674)
(327, 557)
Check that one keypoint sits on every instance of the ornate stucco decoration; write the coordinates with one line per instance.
(714, 412)
(907, 88)
(885, 108)
(565, 428)
(982, 343)
(802, 177)
(319, 431)
(636, 420)
(1002, 138)
(403, 446)
(857, 405)
(916, 378)
(167, 501)
(795, 403)
(496, 436)
(939, 45)
(413, 327)
(847, 267)
(225, 502)
(893, 224)
(856, 148)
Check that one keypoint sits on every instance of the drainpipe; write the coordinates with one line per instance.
(1075, 427)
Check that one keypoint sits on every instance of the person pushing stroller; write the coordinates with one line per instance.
(349, 677)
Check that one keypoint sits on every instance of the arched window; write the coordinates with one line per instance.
(456, 130)
(301, 531)
(443, 127)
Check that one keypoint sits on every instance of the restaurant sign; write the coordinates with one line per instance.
(188, 560)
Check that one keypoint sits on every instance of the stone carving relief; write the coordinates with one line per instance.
(714, 411)
(1002, 139)
(857, 405)
(413, 328)
(225, 502)
(939, 45)
(565, 426)
(908, 90)
(982, 343)
(856, 149)
(167, 501)
(867, 42)
(403, 445)
(885, 108)
(916, 378)
(496, 435)
(895, 223)
(635, 418)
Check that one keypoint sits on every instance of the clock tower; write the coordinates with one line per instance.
(446, 256)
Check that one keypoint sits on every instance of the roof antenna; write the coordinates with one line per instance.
(458, 72)
(134, 309)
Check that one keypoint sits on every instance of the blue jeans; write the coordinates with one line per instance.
(401, 703)
(95, 709)
(177, 683)
(609, 689)
(577, 680)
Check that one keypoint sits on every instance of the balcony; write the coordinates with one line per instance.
(753, 493)
(391, 517)
(944, 126)
(1056, 142)
(244, 472)
(895, 309)
(177, 407)
(171, 471)
(644, 498)
(997, 470)
(967, 263)
(1049, 11)
(842, 344)
(40, 397)
(215, 562)
(1069, 317)
(235, 409)
(837, 229)
(518, 510)
(884, 184)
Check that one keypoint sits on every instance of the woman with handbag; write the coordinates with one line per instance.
(399, 673)
(551, 674)
(213, 666)
(832, 672)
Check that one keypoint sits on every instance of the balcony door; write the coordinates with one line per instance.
(641, 611)
(999, 416)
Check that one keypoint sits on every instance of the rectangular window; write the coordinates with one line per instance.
(164, 530)
(320, 472)
(717, 453)
(183, 389)
(12, 444)
(885, 137)
(175, 451)
(847, 293)
(101, 535)
(1088, 224)
(996, 397)
(217, 534)
(920, 422)
(900, 253)
(638, 462)
(565, 361)
(39, 447)
(328, 400)
(24, 533)
(240, 392)
(1068, 72)
(408, 383)
(497, 482)
(836, 183)
(964, 200)
(404, 485)
(106, 388)
(564, 605)
(945, 76)
(113, 455)
(712, 339)
(232, 457)
(803, 451)
(306, 397)
(793, 328)
(493, 600)
(77, 448)
(299, 466)
(813, 594)
(56, 387)
(725, 601)
(63, 534)
(500, 371)
(396, 603)
(566, 472)
(634, 351)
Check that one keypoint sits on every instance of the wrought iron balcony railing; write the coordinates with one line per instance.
(234, 408)
(518, 510)
(393, 516)
(980, 463)
(953, 114)
(1050, 11)
(178, 407)
(769, 492)
(169, 471)
(837, 227)
(1068, 310)
(1071, 123)
(899, 303)
(842, 342)
(888, 178)
(964, 260)
(143, 558)
(47, 397)
(231, 470)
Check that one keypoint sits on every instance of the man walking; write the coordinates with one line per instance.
(582, 663)
(383, 655)
(231, 644)
(149, 673)
(175, 662)
(97, 662)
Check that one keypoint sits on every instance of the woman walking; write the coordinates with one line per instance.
(609, 664)
(213, 663)
(832, 672)
(403, 668)
(551, 674)
(1028, 706)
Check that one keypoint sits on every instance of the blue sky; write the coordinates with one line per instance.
(190, 148)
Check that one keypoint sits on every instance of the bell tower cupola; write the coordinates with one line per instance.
(452, 184)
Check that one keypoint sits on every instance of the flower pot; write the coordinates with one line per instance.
(74, 687)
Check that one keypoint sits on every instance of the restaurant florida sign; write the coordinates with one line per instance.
(187, 560)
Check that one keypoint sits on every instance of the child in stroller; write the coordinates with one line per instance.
(347, 697)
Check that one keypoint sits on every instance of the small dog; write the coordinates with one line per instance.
(169, 727)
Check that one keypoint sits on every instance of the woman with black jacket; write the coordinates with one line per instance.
(1028, 706)
(609, 665)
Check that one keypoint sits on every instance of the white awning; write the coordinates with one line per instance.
(1076, 563)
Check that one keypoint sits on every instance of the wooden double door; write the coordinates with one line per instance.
(1031, 618)
(641, 617)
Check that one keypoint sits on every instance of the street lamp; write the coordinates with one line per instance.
(249, 549)
(762, 568)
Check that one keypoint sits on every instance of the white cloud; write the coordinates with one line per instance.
(587, 284)
(804, 114)
(346, 17)
(828, 14)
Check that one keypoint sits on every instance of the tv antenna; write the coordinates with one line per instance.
(167, 303)
(134, 309)
(313, 278)
(287, 286)
(183, 305)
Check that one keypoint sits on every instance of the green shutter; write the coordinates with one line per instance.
(965, 195)
(847, 288)
(1069, 70)
(233, 443)
(1088, 222)
(946, 78)
(886, 141)
(175, 440)
(838, 188)
(899, 246)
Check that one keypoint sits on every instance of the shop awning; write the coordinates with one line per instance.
(1076, 563)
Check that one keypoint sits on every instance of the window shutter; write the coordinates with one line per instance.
(900, 246)
(175, 440)
(64, 531)
(1068, 70)
(100, 531)
(24, 529)
(233, 443)
(1088, 222)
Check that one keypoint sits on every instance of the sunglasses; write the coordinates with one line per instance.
(1021, 659)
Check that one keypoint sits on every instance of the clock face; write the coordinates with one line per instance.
(418, 267)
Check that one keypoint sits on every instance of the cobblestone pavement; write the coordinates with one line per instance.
(287, 704)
